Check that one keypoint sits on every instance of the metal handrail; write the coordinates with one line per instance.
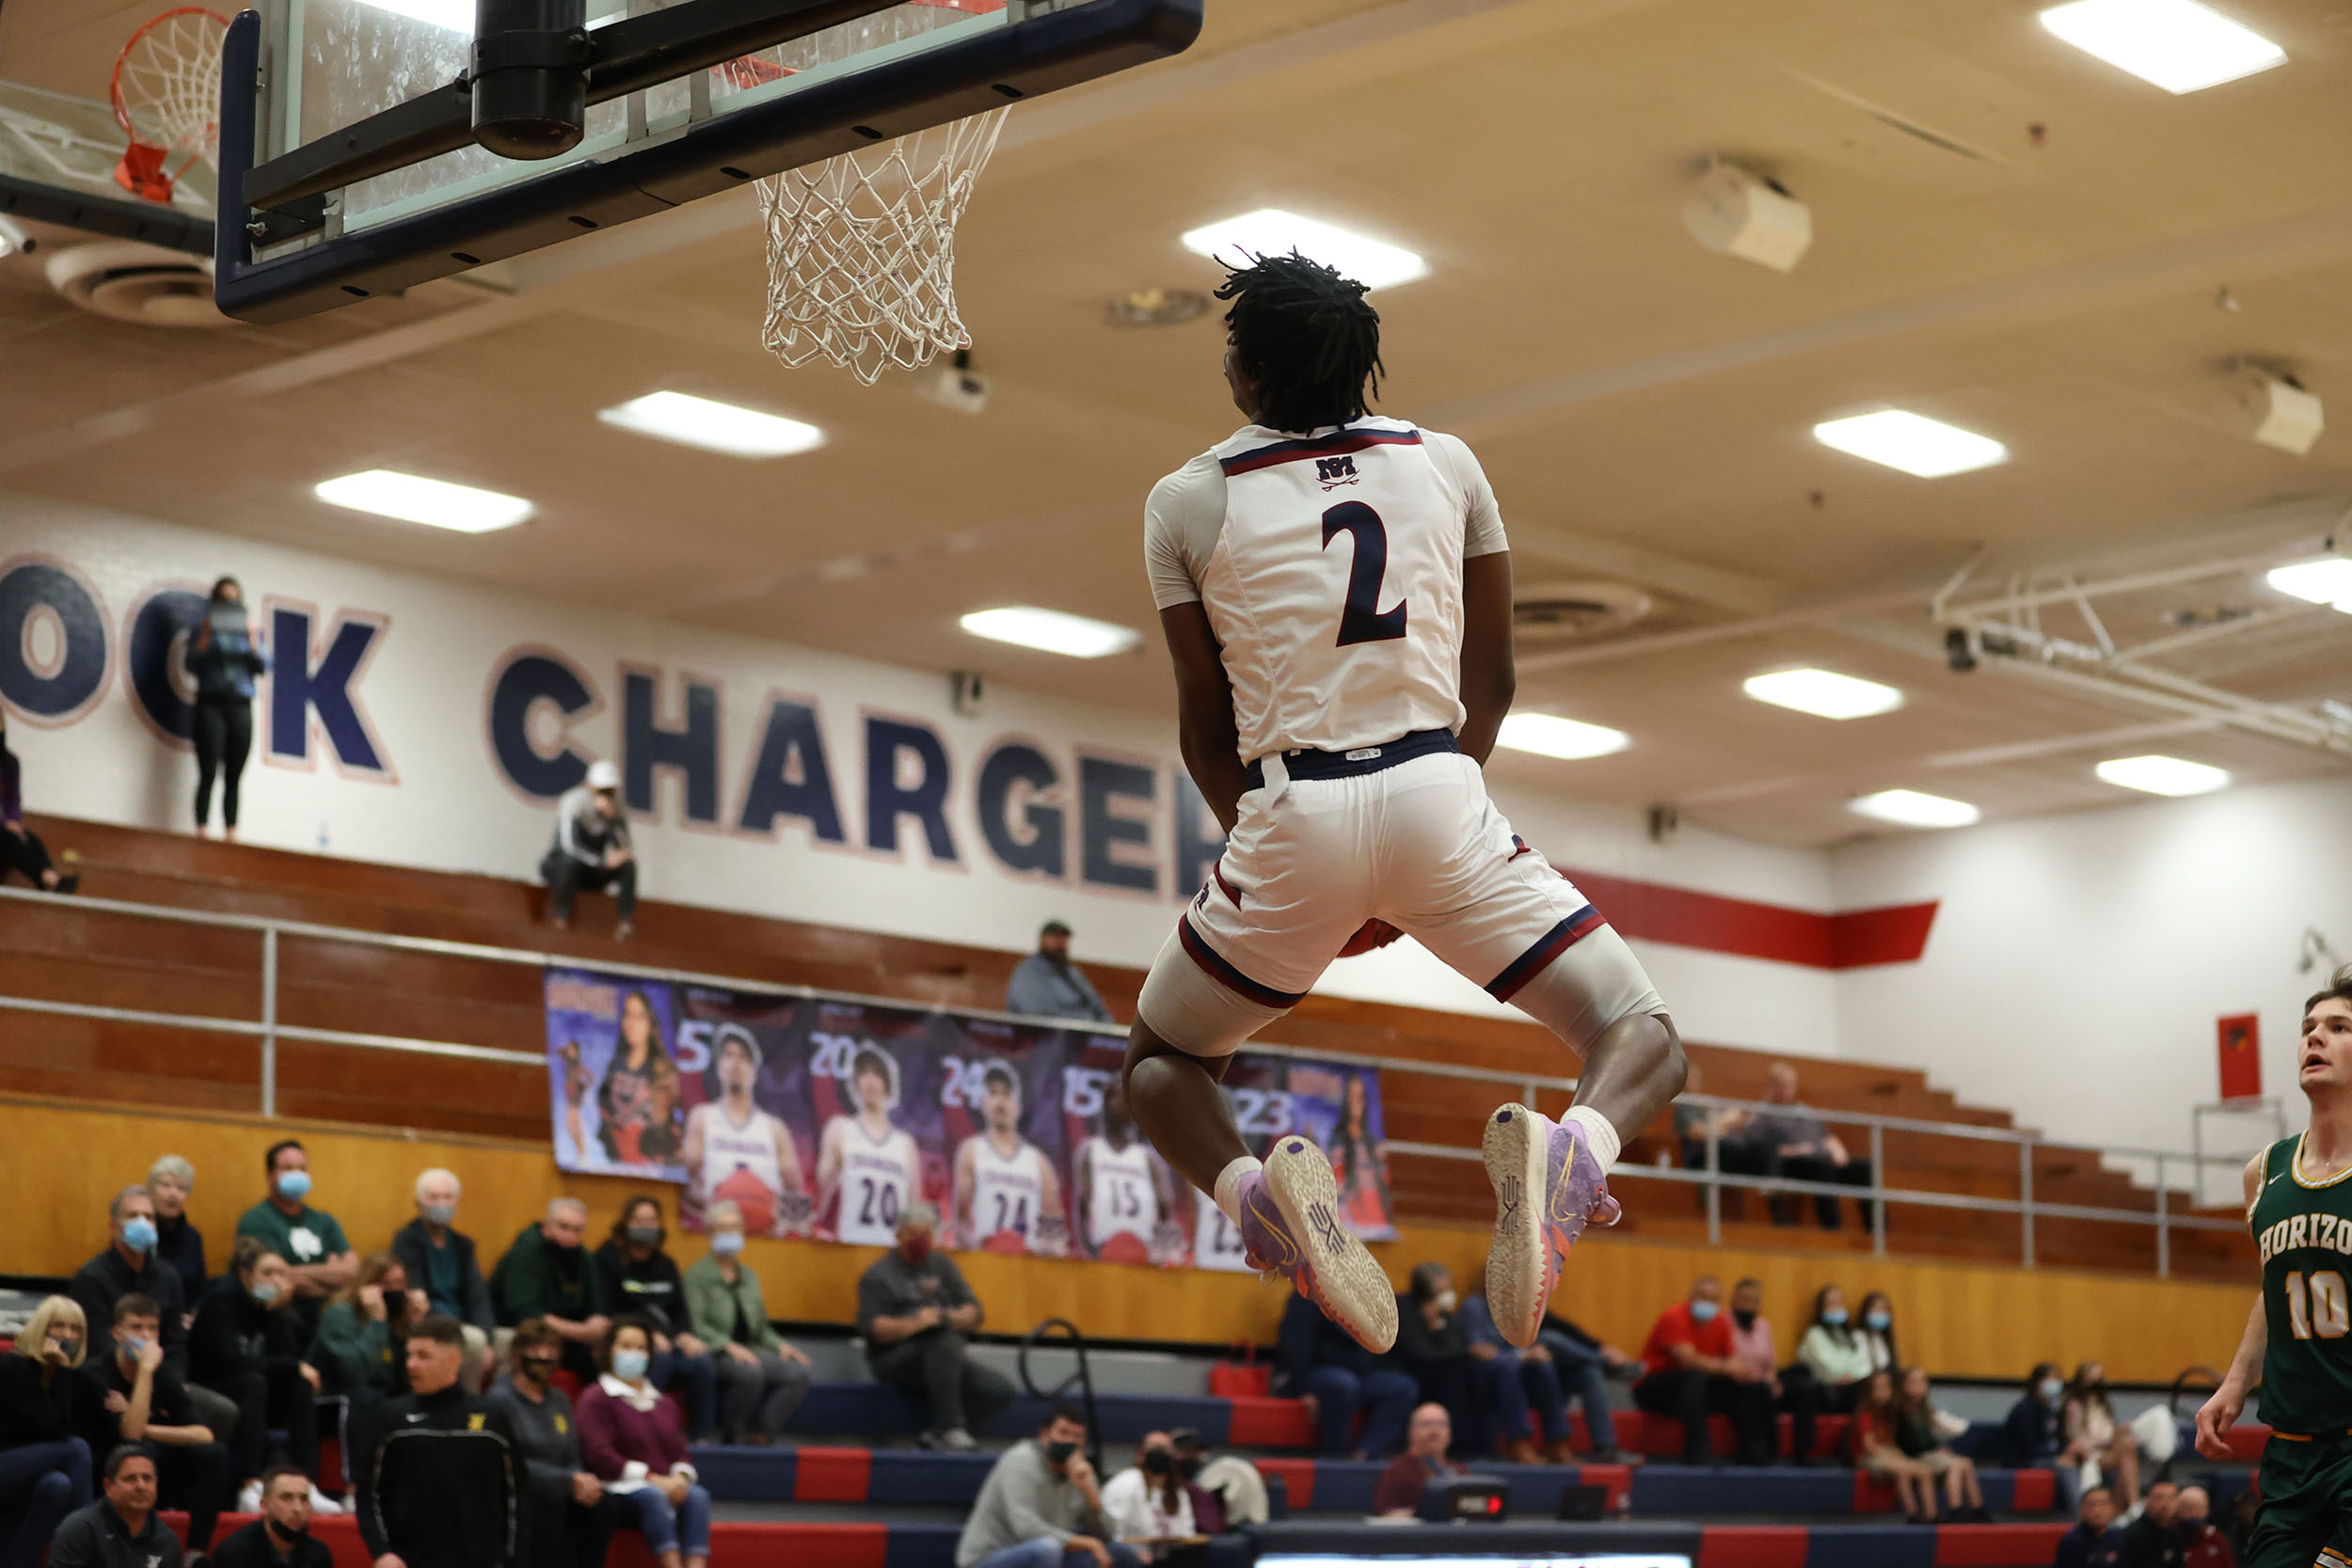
(1710, 1176)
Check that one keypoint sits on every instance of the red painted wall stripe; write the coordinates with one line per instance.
(1713, 923)
(832, 1475)
(1996, 1546)
(1263, 1421)
(1298, 1480)
(1752, 1547)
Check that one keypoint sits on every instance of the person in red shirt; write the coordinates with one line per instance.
(1690, 1370)
(1397, 1494)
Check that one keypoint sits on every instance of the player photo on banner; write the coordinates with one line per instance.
(613, 1069)
(1336, 1107)
(1125, 1204)
(748, 1140)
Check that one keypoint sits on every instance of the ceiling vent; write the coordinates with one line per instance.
(1550, 614)
(129, 282)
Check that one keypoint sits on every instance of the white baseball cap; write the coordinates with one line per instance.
(604, 775)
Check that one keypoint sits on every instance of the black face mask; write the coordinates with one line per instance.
(541, 1369)
(1191, 1466)
(1159, 1462)
(1059, 1453)
(1745, 1320)
(289, 1536)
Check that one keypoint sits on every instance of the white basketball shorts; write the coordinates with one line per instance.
(1416, 844)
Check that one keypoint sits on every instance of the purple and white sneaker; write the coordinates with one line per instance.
(1547, 1187)
(1290, 1226)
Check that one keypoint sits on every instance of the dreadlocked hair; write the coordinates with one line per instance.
(1306, 337)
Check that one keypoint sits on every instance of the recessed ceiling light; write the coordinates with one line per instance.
(2162, 775)
(2327, 580)
(434, 502)
(1271, 231)
(1548, 735)
(1823, 693)
(2177, 44)
(692, 421)
(1914, 809)
(1050, 631)
(1928, 449)
(456, 15)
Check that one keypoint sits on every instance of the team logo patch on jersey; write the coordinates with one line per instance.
(1336, 471)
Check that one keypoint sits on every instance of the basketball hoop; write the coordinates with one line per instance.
(167, 98)
(860, 248)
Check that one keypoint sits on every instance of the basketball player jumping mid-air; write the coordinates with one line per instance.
(1335, 590)
(2298, 1205)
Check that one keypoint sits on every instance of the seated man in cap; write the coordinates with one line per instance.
(1047, 984)
(591, 850)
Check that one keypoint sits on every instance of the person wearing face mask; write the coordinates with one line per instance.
(762, 1378)
(179, 1244)
(360, 1350)
(223, 662)
(915, 1311)
(129, 1266)
(441, 1262)
(1690, 1370)
(1433, 1346)
(438, 1472)
(2033, 1437)
(548, 1273)
(572, 1515)
(21, 849)
(1041, 1506)
(248, 1346)
(1148, 1505)
(319, 1261)
(1878, 1333)
(1831, 1354)
(1047, 984)
(638, 1275)
(137, 1400)
(281, 1537)
(631, 1438)
(44, 1411)
(1753, 1345)
(2106, 1442)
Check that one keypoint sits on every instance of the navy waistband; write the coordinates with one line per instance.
(1363, 759)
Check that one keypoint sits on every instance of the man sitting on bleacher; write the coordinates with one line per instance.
(1690, 1371)
(281, 1537)
(1319, 1361)
(1397, 1494)
(913, 1310)
(1041, 1505)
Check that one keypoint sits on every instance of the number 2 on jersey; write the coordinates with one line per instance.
(1363, 620)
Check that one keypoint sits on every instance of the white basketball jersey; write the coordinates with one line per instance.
(1336, 587)
(877, 1182)
(1007, 1194)
(1124, 1201)
(728, 1148)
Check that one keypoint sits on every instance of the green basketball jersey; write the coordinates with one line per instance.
(2304, 1230)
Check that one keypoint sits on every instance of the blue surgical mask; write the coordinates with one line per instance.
(131, 1345)
(726, 1243)
(1834, 1317)
(1704, 1311)
(138, 1233)
(629, 1365)
(438, 1213)
(294, 1185)
(1878, 1322)
(2050, 1388)
(265, 1291)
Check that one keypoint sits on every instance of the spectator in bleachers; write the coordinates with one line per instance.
(129, 1266)
(1754, 1347)
(913, 1310)
(629, 1433)
(1318, 1361)
(1397, 1494)
(1228, 1491)
(1689, 1371)
(2203, 1544)
(281, 1537)
(571, 1515)
(1040, 1506)
(1690, 1122)
(172, 1181)
(638, 1275)
(591, 850)
(44, 1456)
(2095, 1542)
(223, 662)
(440, 1260)
(21, 849)
(1148, 1501)
(1925, 1433)
(437, 1472)
(1832, 1358)
(319, 1261)
(1432, 1344)
(1521, 1388)
(135, 1399)
(361, 1350)
(1877, 1454)
(2091, 1425)
(2153, 1538)
(762, 1378)
(1791, 1141)
(248, 1346)
(1047, 984)
(121, 1529)
(2033, 1437)
(1585, 1366)
(1878, 1332)
(547, 1273)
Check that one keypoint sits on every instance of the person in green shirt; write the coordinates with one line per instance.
(362, 1345)
(548, 1273)
(762, 1378)
(317, 1257)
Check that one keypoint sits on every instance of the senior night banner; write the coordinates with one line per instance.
(827, 1118)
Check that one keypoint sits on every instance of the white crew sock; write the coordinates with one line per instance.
(1598, 1132)
(1227, 1194)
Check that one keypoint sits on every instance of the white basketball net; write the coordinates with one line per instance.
(167, 85)
(861, 250)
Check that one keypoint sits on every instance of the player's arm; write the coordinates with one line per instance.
(1049, 1190)
(788, 1157)
(2220, 1413)
(1489, 680)
(828, 1159)
(690, 1156)
(1204, 710)
(966, 1178)
(1082, 1202)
